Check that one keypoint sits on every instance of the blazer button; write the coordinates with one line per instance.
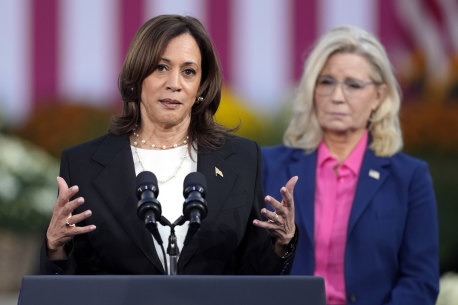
(352, 298)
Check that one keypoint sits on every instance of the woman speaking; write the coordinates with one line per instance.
(170, 85)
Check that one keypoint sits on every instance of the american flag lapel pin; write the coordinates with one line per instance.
(218, 172)
(374, 174)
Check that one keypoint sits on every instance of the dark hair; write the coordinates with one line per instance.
(142, 58)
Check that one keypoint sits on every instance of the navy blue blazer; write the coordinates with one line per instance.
(391, 254)
(226, 243)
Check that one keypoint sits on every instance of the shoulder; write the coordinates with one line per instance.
(88, 144)
(404, 170)
(279, 150)
(281, 154)
(236, 141)
(235, 149)
(407, 159)
(237, 145)
(407, 164)
(90, 147)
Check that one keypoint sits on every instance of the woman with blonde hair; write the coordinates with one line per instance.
(366, 211)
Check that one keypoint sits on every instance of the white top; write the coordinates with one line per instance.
(165, 164)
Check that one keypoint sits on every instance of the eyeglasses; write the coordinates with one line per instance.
(351, 87)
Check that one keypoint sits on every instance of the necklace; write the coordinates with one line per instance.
(176, 170)
(143, 141)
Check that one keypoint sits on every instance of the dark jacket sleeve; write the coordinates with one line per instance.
(258, 256)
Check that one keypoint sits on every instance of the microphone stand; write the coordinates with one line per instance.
(172, 249)
(173, 252)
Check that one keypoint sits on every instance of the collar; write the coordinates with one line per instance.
(354, 160)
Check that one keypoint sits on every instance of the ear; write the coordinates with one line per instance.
(380, 95)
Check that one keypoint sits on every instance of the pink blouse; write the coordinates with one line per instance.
(334, 193)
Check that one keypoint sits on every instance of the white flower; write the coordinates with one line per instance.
(28, 187)
(43, 199)
(9, 186)
(23, 159)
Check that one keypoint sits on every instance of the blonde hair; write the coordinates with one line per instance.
(304, 130)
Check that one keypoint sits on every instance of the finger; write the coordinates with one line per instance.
(287, 197)
(63, 186)
(270, 226)
(287, 192)
(272, 216)
(291, 184)
(275, 204)
(77, 218)
(65, 193)
(72, 205)
(80, 230)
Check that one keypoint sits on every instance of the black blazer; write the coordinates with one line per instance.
(227, 242)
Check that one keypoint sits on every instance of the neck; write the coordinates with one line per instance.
(159, 138)
(341, 145)
(163, 133)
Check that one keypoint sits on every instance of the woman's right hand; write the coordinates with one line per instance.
(62, 227)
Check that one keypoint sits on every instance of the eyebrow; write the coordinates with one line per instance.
(187, 63)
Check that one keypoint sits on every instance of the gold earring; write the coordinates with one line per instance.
(200, 99)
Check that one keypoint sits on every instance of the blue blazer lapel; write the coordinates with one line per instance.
(304, 192)
(371, 176)
(116, 185)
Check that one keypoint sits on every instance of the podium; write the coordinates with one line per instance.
(171, 290)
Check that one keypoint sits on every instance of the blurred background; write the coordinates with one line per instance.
(60, 59)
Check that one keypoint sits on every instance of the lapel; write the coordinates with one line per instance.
(374, 170)
(218, 191)
(304, 166)
(116, 185)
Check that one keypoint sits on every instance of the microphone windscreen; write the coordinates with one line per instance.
(146, 178)
(195, 179)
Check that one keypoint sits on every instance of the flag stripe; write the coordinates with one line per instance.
(15, 59)
(305, 28)
(334, 13)
(388, 22)
(89, 59)
(219, 16)
(131, 20)
(44, 49)
(193, 8)
(73, 50)
(260, 50)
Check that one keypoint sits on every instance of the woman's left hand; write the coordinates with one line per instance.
(280, 223)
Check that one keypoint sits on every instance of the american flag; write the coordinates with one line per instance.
(72, 50)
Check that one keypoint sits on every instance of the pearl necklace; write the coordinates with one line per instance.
(143, 141)
(162, 181)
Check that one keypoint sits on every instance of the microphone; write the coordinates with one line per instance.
(195, 205)
(148, 207)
